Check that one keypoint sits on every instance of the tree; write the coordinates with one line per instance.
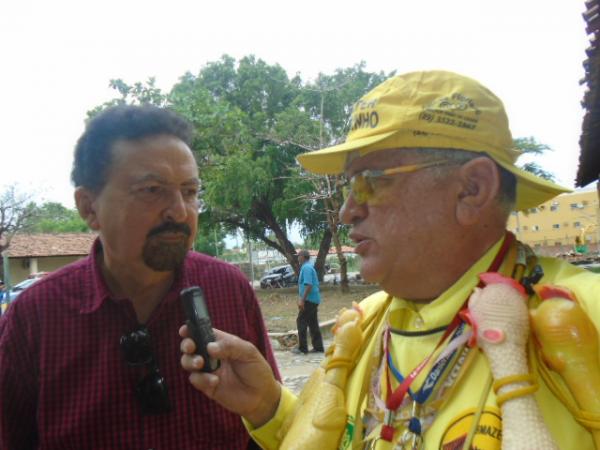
(530, 146)
(330, 98)
(52, 217)
(251, 122)
(16, 212)
(210, 237)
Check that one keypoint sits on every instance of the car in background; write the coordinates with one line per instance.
(278, 277)
(20, 287)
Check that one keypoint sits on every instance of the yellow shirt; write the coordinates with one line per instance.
(455, 417)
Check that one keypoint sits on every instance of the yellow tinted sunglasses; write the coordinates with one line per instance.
(362, 184)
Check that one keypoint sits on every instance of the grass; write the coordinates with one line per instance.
(279, 306)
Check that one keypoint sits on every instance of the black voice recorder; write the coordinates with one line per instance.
(198, 322)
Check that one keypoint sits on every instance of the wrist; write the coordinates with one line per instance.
(267, 407)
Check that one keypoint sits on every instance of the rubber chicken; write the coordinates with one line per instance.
(320, 417)
(569, 345)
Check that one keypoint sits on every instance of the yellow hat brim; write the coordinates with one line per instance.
(531, 190)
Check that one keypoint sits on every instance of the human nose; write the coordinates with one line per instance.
(175, 209)
(352, 211)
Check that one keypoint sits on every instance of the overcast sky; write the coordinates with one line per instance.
(57, 58)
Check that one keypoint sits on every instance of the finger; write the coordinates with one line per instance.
(187, 346)
(183, 331)
(192, 362)
(205, 382)
(228, 346)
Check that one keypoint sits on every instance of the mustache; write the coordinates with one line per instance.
(171, 227)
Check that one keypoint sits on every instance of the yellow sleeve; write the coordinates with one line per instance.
(266, 435)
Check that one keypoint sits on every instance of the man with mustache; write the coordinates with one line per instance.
(431, 181)
(89, 357)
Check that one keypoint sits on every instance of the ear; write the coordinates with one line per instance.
(479, 187)
(84, 200)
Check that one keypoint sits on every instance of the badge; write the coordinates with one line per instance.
(488, 434)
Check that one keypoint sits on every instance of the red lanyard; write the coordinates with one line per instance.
(394, 399)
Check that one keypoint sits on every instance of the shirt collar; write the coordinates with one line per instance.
(99, 292)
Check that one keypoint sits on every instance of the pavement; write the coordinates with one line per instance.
(296, 368)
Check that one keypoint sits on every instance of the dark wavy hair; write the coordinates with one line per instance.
(93, 152)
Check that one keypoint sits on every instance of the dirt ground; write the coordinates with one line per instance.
(279, 305)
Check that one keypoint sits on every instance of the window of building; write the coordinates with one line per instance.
(525, 228)
(577, 224)
(576, 206)
(535, 228)
(554, 207)
(558, 243)
(556, 226)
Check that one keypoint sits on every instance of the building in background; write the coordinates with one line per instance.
(29, 254)
(554, 227)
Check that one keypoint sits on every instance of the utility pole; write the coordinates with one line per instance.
(250, 260)
(216, 247)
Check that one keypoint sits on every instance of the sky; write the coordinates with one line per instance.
(57, 58)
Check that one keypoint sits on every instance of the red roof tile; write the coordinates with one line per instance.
(332, 250)
(42, 244)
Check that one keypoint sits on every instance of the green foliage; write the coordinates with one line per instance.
(530, 146)
(210, 237)
(53, 217)
(251, 122)
(139, 93)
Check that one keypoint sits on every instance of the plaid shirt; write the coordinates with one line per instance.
(63, 381)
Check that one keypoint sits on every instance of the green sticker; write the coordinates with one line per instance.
(346, 440)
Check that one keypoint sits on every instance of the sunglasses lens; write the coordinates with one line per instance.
(361, 189)
(136, 347)
(152, 394)
(151, 389)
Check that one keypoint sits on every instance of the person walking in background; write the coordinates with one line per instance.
(308, 305)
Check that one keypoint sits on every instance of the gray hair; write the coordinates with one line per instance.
(508, 182)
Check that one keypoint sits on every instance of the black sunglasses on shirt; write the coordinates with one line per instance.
(151, 389)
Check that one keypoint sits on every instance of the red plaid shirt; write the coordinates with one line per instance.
(63, 381)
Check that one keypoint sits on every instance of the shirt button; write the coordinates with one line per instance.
(419, 323)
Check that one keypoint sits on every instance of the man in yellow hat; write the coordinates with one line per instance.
(431, 182)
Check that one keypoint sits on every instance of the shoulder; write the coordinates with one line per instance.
(307, 267)
(60, 292)
(212, 267)
(59, 288)
(219, 277)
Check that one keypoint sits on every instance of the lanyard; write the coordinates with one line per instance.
(434, 375)
(394, 399)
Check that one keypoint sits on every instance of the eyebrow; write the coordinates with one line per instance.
(161, 180)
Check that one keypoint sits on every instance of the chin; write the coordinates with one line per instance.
(371, 273)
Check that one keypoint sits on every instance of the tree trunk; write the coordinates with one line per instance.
(334, 222)
(324, 247)
(289, 251)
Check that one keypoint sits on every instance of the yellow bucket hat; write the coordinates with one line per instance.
(434, 109)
